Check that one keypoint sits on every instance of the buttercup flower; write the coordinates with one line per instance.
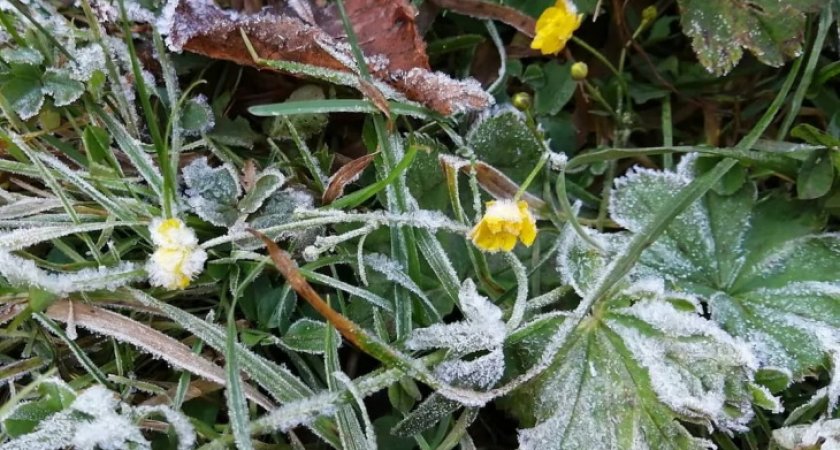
(177, 258)
(503, 223)
(555, 27)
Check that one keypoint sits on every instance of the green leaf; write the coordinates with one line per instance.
(307, 125)
(40, 299)
(97, 144)
(55, 396)
(61, 87)
(632, 369)
(308, 336)
(558, 89)
(766, 275)
(502, 139)
(22, 89)
(212, 192)
(237, 132)
(814, 136)
(720, 29)
(196, 115)
(816, 176)
(265, 185)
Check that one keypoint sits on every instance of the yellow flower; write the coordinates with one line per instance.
(177, 258)
(504, 222)
(555, 27)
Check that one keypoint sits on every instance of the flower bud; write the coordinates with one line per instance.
(579, 71)
(522, 101)
(649, 15)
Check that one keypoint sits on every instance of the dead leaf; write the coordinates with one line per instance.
(486, 10)
(121, 328)
(249, 174)
(394, 51)
(347, 174)
(493, 181)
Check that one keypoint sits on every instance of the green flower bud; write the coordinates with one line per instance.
(579, 71)
(522, 101)
(649, 15)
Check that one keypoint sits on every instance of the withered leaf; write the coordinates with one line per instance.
(485, 10)
(344, 176)
(394, 51)
(492, 180)
(122, 328)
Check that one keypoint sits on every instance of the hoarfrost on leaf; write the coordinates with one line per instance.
(96, 419)
(767, 274)
(481, 329)
(212, 192)
(773, 31)
(23, 272)
(629, 371)
(823, 434)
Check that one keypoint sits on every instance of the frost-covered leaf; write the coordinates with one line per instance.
(22, 55)
(502, 139)
(772, 30)
(236, 132)
(25, 417)
(21, 87)
(280, 207)
(212, 192)
(308, 336)
(197, 116)
(824, 435)
(766, 275)
(631, 370)
(266, 184)
(60, 85)
(96, 419)
(481, 329)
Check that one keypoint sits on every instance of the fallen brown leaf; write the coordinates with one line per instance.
(344, 176)
(394, 51)
(486, 10)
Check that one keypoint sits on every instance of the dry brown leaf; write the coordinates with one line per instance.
(347, 174)
(492, 180)
(121, 328)
(9, 311)
(486, 10)
(394, 51)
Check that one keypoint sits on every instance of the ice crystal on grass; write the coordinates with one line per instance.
(482, 330)
(23, 272)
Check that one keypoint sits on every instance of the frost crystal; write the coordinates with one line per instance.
(98, 420)
(24, 272)
(481, 329)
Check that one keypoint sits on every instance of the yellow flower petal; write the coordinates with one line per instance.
(504, 222)
(555, 27)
